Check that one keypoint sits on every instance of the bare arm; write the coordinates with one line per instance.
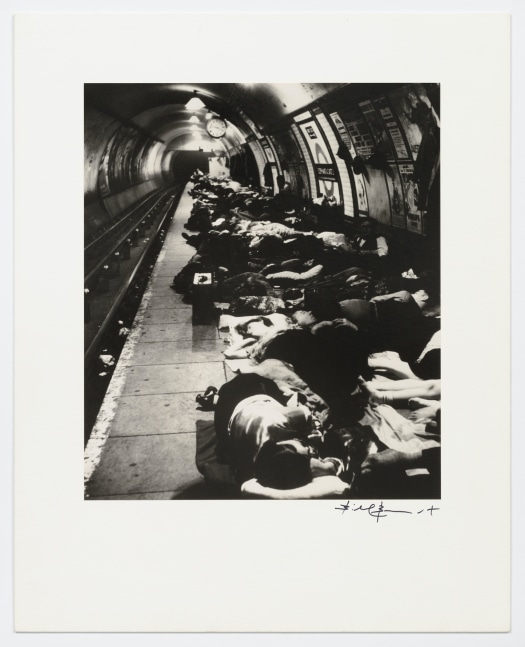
(402, 295)
(401, 390)
(239, 350)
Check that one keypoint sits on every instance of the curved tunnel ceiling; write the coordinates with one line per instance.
(139, 136)
(159, 109)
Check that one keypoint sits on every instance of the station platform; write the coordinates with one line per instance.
(143, 443)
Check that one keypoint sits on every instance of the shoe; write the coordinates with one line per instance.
(206, 400)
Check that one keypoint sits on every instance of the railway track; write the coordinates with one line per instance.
(117, 267)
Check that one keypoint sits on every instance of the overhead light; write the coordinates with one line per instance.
(197, 135)
(194, 127)
(194, 119)
(195, 104)
(209, 115)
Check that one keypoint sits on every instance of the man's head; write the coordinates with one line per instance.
(289, 464)
(304, 318)
(368, 226)
(426, 290)
(281, 466)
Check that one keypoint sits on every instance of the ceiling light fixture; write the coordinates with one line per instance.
(195, 104)
(194, 119)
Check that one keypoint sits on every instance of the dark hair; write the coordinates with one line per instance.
(281, 467)
(429, 281)
(322, 307)
(429, 368)
(369, 222)
(242, 328)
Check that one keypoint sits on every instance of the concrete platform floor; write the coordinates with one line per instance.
(143, 443)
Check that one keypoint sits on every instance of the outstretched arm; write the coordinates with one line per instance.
(240, 349)
(402, 295)
(399, 390)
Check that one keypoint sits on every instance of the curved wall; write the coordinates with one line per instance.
(122, 165)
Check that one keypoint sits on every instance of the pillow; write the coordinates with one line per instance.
(320, 487)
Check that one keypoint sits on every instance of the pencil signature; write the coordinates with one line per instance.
(379, 511)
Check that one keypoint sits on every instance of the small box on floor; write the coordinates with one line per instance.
(203, 308)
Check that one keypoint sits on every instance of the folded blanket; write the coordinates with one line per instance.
(265, 228)
(331, 239)
(296, 277)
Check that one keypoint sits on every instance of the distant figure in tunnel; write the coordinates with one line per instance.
(368, 242)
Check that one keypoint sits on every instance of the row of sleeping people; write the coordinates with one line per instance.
(327, 373)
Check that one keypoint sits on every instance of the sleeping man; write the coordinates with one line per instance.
(266, 438)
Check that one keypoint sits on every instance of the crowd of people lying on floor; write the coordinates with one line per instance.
(336, 343)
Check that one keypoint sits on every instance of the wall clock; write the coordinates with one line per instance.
(216, 127)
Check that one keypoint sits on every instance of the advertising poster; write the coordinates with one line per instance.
(393, 128)
(343, 132)
(415, 223)
(287, 148)
(299, 176)
(413, 108)
(410, 189)
(379, 203)
(103, 171)
(268, 150)
(360, 134)
(362, 201)
(379, 133)
(397, 203)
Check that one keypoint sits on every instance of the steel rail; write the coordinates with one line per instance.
(135, 208)
(122, 239)
(125, 286)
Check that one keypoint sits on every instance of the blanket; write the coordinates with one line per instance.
(396, 432)
(286, 379)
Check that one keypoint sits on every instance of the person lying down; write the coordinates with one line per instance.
(273, 443)
(267, 437)
(255, 334)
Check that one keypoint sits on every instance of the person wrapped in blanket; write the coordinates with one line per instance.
(329, 357)
(266, 436)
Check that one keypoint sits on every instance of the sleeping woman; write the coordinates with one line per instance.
(256, 333)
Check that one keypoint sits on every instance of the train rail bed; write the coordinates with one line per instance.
(144, 440)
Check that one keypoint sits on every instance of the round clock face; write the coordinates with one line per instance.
(216, 127)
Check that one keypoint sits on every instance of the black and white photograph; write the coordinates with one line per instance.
(262, 291)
